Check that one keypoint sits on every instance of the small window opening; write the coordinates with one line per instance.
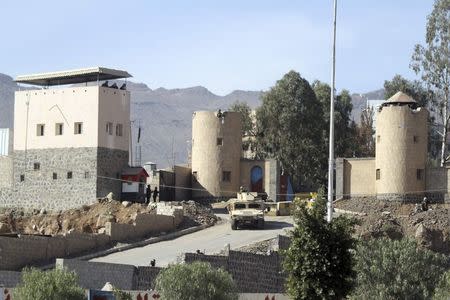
(419, 174)
(40, 129)
(36, 166)
(22, 178)
(59, 128)
(109, 128)
(119, 130)
(219, 141)
(55, 176)
(378, 174)
(69, 175)
(226, 176)
(87, 175)
(78, 128)
(415, 139)
(378, 138)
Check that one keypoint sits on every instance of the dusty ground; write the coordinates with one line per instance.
(395, 220)
(91, 218)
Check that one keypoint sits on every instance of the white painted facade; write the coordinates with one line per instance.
(5, 145)
(91, 106)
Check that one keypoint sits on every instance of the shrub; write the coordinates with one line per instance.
(396, 269)
(319, 262)
(56, 284)
(197, 281)
(442, 291)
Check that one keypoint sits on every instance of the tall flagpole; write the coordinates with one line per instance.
(331, 152)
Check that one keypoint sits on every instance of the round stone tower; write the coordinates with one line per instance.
(401, 148)
(216, 153)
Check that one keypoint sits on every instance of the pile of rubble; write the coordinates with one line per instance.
(395, 220)
(197, 214)
(92, 218)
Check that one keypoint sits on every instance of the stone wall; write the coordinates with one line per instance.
(63, 178)
(9, 278)
(110, 162)
(169, 209)
(183, 183)
(253, 273)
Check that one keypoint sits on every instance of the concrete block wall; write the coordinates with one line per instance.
(94, 275)
(169, 209)
(17, 252)
(9, 278)
(144, 225)
(144, 278)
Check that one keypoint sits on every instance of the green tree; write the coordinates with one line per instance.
(197, 281)
(414, 88)
(290, 128)
(345, 141)
(56, 284)
(246, 112)
(319, 263)
(396, 269)
(365, 134)
(442, 291)
(432, 61)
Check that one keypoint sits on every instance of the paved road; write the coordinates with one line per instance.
(211, 240)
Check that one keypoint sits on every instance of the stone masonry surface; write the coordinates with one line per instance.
(59, 179)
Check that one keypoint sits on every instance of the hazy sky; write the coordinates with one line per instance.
(222, 45)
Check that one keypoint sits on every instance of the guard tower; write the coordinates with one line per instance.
(216, 154)
(401, 148)
(71, 137)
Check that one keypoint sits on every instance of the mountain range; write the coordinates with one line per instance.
(165, 115)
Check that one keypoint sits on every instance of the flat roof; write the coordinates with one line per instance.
(72, 76)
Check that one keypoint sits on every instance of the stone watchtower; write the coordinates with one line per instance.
(216, 153)
(71, 141)
(401, 148)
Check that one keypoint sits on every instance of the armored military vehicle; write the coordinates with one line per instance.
(246, 209)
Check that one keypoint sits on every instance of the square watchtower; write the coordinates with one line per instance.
(71, 137)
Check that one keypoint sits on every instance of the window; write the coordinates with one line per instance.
(36, 166)
(109, 128)
(22, 178)
(226, 176)
(40, 129)
(415, 139)
(239, 206)
(254, 205)
(219, 141)
(378, 174)
(378, 138)
(55, 176)
(419, 174)
(59, 128)
(119, 130)
(78, 128)
(87, 175)
(69, 175)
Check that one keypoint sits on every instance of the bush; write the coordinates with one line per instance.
(197, 281)
(396, 269)
(56, 284)
(442, 291)
(319, 262)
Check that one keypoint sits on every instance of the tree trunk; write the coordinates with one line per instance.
(444, 132)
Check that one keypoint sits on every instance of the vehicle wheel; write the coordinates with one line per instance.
(233, 225)
(261, 224)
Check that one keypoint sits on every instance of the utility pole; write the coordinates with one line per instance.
(331, 140)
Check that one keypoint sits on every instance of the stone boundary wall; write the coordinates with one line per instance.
(253, 273)
(17, 252)
(9, 278)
